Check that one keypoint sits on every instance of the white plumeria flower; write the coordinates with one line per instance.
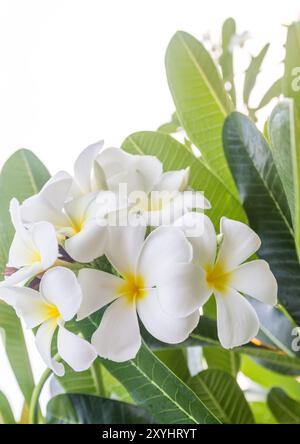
(157, 198)
(32, 251)
(57, 301)
(227, 276)
(76, 221)
(155, 273)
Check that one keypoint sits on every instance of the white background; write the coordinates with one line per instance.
(76, 71)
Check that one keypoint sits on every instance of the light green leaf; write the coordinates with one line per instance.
(226, 59)
(223, 396)
(86, 409)
(291, 80)
(15, 347)
(220, 359)
(284, 130)
(265, 203)
(6, 414)
(22, 176)
(262, 413)
(285, 409)
(170, 127)
(200, 99)
(175, 156)
(274, 91)
(252, 73)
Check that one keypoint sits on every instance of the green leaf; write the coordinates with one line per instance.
(86, 382)
(175, 156)
(265, 203)
(223, 396)
(200, 99)
(15, 347)
(22, 176)
(175, 360)
(153, 386)
(85, 409)
(285, 409)
(274, 91)
(170, 127)
(226, 59)
(252, 73)
(291, 80)
(284, 130)
(6, 414)
(220, 359)
(268, 378)
(262, 413)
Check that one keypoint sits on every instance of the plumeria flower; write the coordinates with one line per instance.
(151, 271)
(226, 275)
(57, 301)
(156, 198)
(76, 221)
(32, 251)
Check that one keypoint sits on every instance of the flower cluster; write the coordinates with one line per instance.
(163, 273)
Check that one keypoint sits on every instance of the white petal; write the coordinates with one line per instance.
(163, 327)
(98, 289)
(84, 165)
(21, 252)
(56, 190)
(22, 235)
(43, 340)
(173, 180)
(28, 304)
(22, 275)
(45, 240)
(118, 336)
(60, 287)
(75, 351)
(88, 244)
(78, 209)
(139, 172)
(239, 243)
(257, 280)
(237, 320)
(201, 233)
(123, 247)
(163, 247)
(182, 290)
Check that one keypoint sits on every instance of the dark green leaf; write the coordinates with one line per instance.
(220, 359)
(285, 409)
(223, 396)
(86, 409)
(265, 203)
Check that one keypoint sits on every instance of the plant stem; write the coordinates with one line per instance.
(34, 402)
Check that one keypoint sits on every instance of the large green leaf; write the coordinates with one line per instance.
(15, 347)
(6, 414)
(264, 200)
(176, 360)
(285, 409)
(223, 396)
(291, 81)
(252, 73)
(153, 386)
(226, 59)
(200, 99)
(86, 409)
(284, 130)
(218, 358)
(22, 176)
(174, 156)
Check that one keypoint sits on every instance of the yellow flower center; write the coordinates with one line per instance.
(217, 277)
(77, 225)
(133, 287)
(156, 201)
(52, 311)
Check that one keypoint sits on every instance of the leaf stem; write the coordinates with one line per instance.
(34, 402)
